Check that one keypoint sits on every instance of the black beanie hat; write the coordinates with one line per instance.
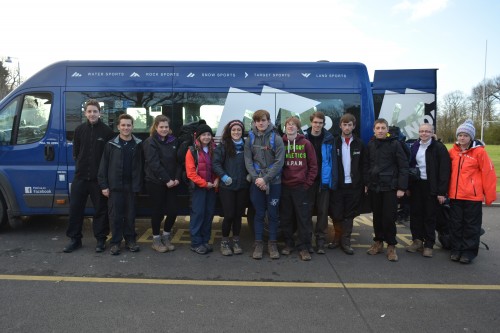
(203, 128)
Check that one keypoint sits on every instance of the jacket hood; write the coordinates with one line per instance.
(269, 128)
(475, 144)
(290, 144)
(327, 136)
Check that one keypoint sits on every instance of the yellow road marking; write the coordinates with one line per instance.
(329, 285)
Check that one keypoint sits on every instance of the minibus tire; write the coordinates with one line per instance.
(3, 214)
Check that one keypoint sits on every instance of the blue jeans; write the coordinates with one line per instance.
(202, 214)
(263, 202)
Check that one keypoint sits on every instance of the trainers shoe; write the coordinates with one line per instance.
(73, 245)
(455, 257)
(427, 252)
(165, 239)
(320, 246)
(200, 249)
(287, 250)
(209, 247)
(237, 247)
(376, 248)
(416, 245)
(465, 260)
(304, 255)
(272, 248)
(310, 248)
(115, 249)
(258, 249)
(391, 253)
(225, 250)
(348, 250)
(132, 246)
(100, 246)
(158, 245)
(333, 245)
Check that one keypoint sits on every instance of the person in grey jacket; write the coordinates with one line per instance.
(120, 178)
(229, 164)
(264, 158)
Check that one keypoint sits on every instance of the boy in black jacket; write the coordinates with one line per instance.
(345, 202)
(88, 145)
(120, 178)
(386, 180)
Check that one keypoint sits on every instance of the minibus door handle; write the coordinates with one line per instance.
(49, 152)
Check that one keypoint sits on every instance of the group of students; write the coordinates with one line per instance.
(287, 179)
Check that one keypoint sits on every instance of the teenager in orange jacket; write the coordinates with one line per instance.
(473, 180)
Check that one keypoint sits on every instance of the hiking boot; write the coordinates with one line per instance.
(258, 250)
(158, 245)
(209, 247)
(132, 246)
(455, 257)
(287, 250)
(236, 246)
(427, 252)
(391, 253)
(74, 244)
(376, 248)
(347, 249)
(100, 246)
(225, 250)
(304, 255)
(310, 248)
(115, 249)
(320, 244)
(272, 248)
(165, 239)
(416, 245)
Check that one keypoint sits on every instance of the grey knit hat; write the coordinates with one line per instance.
(468, 128)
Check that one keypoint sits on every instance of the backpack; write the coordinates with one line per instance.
(186, 138)
(395, 131)
(186, 141)
(272, 142)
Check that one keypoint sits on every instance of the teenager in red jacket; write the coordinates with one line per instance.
(473, 180)
(199, 171)
(299, 173)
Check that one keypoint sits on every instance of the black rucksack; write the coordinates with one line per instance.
(186, 140)
(395, 131)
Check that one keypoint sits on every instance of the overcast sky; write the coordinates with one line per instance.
(449, 35)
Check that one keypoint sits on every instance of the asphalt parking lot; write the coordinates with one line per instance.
(44, 289)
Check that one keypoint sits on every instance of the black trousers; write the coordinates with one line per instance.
(294, 209)
(318, 201)
(80, 192)
(424, 208)
(465, 227)
(163, 202)
(233, 206)
(344, 207)
(122, 215)
(384, 207)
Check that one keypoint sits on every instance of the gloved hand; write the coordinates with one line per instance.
(227, 180)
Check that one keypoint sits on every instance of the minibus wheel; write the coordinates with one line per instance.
(3, 213)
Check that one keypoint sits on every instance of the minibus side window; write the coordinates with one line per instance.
(7, 117)
(34, 118)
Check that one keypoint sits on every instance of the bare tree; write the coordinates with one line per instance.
(452, 112)
(5, 77)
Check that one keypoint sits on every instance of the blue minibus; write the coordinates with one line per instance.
(37, 120)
